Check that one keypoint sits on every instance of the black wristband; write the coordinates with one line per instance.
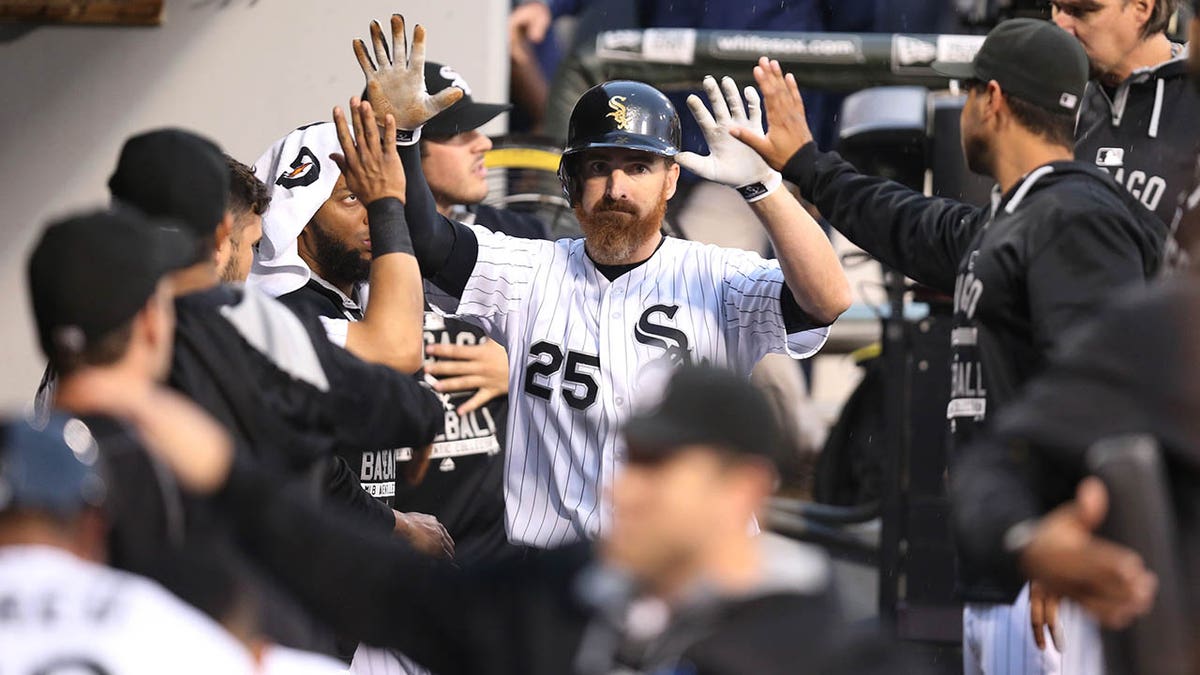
(389, 229)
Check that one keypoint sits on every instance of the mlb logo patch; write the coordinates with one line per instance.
(1068, 100)
(1110, 158)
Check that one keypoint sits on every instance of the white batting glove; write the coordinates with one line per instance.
(729, 161)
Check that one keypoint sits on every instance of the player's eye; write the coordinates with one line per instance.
(1070, 10)
(638, 169)
(597, 168)
(350, 198)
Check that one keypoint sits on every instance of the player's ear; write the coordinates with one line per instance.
(993, 99)
(1143, 9)
(222, 246)
(672, 179)
(156, 320)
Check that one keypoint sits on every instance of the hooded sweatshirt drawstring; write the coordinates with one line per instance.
(1158, 99)
(1144, 133)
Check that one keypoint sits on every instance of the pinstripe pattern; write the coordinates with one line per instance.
(561, 456)
(375, 661)
(997, 640)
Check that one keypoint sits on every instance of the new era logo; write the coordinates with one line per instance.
(1068, 100)
(1110, 157)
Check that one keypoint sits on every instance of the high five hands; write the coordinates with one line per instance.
(728, 161)
(397, 85)
(789, 130)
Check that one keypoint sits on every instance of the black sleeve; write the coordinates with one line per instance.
(923, 237)
(341, 486)
(512, 223)
(795, 319)
(445, 250)
(376, 407)
(1108, 379)
(378, 589)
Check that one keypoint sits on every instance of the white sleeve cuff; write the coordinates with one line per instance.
(336, 330)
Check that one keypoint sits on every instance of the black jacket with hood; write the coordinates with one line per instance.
(1045, 256)
(1145, 132)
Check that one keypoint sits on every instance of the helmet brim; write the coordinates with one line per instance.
(626, 141)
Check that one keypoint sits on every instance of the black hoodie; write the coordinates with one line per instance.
(1044, 257)
(1145, 133)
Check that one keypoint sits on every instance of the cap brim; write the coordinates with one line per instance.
(651, 438)
(175, 248)
(464, 116)
(954, 70)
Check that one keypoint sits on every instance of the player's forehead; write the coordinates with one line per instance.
(619, 156)
(1082, 5)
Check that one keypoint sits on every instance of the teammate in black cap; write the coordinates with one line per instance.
(1133, 370)
(110, 339)
(1058, 241)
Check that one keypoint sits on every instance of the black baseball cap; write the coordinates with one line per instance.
(466, 114)
(175, 174)
(1031, 59)
(49, 468)
(90, 274)
(704, 405)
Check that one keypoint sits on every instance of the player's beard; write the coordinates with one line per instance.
(978, 154)
(340, 264)
(229, 274)
(614, 231)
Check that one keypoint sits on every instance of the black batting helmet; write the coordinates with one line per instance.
(619, 114)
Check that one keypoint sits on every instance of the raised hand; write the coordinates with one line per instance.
(397, 85)
(785, 108)
(372, 168)
(728, 161)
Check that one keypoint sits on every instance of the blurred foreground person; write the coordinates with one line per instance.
(110, 340)
(681, 584)
(64, 611)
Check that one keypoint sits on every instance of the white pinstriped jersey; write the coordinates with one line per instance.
(60, 615)
(579, 345)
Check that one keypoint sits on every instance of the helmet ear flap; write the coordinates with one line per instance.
(567, 176)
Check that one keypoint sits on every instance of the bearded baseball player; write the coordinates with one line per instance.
(585, 320)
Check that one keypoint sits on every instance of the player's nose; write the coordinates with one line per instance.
(618, 185)
(483, 142)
